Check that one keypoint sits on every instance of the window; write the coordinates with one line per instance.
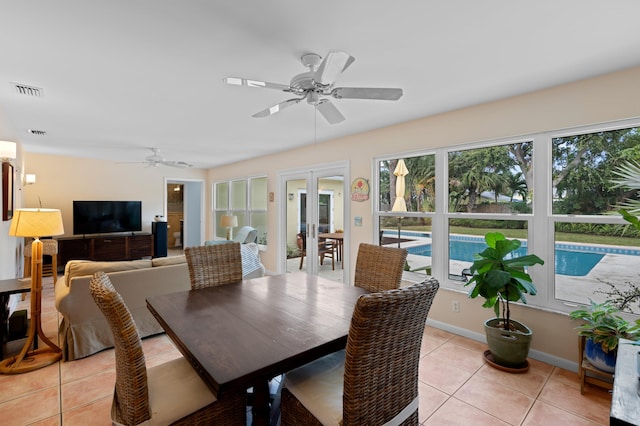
(488, 191)
(553, 191)
(595, 252)
(494, 179)
(406, 202)
(419, 183)
(244, 198)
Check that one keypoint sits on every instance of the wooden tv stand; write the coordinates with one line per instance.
(105, 247)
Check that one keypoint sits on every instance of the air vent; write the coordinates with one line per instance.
(23, 89)
(37, 132)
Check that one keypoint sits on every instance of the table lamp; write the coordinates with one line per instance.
(229, 222)
(34, 223)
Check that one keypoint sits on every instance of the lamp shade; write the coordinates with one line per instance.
(36, 223)
(7, 150)
(229, 221)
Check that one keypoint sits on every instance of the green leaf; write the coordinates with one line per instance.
(491, 237)
(527, 260)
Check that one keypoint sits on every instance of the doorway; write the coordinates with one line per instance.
(184, 211)
(314, 205)
(175, 217)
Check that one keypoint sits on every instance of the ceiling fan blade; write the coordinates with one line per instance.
(332, 66)
(276, 108)
(177, 164)
(329, 112)
(381, 93)
(235, 81)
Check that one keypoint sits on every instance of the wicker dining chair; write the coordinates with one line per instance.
(214, 265)
(379, 268)
(375, 379)
(167, 394)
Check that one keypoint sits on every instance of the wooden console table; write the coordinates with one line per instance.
(105, 247)
(625, 402)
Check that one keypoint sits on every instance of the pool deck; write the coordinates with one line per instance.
(573, 289)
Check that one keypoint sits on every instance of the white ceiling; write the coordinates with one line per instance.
(121, 76)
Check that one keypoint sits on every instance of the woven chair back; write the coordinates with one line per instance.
(214, 265)
(383, 352)
(131, 396)
(379, 268)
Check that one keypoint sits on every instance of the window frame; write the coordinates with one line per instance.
(540, 222)
(229, 209)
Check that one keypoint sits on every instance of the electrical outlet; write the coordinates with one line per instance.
(455, 306)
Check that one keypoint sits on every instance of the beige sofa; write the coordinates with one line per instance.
(84, 330)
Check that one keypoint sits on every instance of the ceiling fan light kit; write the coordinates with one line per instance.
(316, 85)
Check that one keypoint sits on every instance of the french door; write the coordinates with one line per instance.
(314, 204)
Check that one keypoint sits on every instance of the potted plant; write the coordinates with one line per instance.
(499, 276)
(603, 328)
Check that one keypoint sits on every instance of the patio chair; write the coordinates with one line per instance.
(374, 381)
(379, 268)
(325, 249)
(214, 265)
(169, 393)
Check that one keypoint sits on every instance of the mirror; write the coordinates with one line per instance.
(7, 191)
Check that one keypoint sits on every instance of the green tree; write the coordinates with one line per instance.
(385, 184)
(474, 171)
(583, 166)
(420, 182)
(517, 184)
(522, 153)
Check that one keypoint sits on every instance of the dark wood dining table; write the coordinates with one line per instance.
(241, 335)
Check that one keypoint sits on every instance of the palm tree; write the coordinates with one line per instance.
(628, 178)
(517, 185)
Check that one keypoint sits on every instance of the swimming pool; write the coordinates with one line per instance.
(570, 260)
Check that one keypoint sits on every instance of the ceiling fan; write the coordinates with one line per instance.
(317, 84)
(156, 160)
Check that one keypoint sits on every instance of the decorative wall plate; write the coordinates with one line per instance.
(359, 189)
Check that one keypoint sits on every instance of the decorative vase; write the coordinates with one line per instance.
(509, 348)
(605, 361)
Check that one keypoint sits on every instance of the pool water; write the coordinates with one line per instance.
(567, 262)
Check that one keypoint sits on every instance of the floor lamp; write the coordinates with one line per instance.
(34, 223)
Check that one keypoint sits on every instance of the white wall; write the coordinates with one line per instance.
(60, 180)
(11, 247)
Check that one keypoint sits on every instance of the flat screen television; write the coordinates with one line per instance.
(103, 217)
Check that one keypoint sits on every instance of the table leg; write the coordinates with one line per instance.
(261, 410)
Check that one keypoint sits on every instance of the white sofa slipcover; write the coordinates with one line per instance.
(84, 330)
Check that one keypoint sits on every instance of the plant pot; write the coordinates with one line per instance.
(605, 361)
(508, 348)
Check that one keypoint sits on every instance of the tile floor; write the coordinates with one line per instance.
(456, 387)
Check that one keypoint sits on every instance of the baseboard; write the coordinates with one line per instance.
(479, 337)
